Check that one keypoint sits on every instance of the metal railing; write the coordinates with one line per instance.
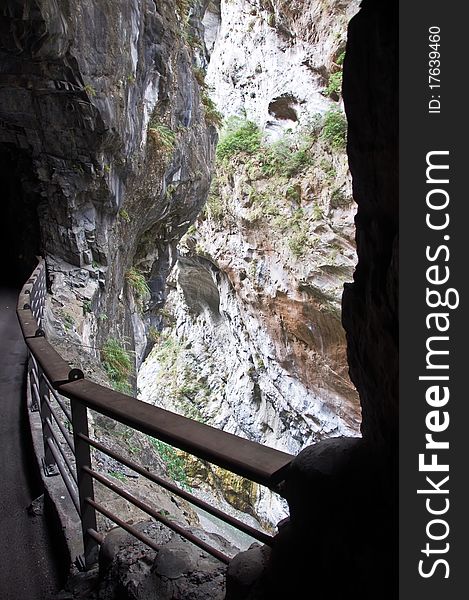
(56, 387)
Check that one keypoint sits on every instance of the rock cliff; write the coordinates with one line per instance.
(250, 339)
(341, 540)
(107, 140)
(370, 304)
(102, 105)
(106, 147)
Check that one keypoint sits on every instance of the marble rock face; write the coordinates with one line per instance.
(101, 104)
(256, 342)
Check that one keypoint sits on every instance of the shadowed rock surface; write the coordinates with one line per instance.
(129, 570)
(370, 304)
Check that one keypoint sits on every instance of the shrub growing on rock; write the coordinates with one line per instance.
(139, 286)
(212, 114)
(334, 87)
(174, 462)
(335, 129)
(163, 136)
(238, 135)
(117, 363)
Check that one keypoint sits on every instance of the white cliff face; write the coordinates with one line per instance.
(251, 67)
(252, 341)
(270, 60)
(218, 363)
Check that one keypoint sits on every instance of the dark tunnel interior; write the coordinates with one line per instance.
(19, 233)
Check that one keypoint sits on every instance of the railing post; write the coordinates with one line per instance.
(85, 482)
(49, 464)
(33, 375)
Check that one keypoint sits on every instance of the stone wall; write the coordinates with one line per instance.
(102, 100)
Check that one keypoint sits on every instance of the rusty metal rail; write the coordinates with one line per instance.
(52, 380)
(171, 487)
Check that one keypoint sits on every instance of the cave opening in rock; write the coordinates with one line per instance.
(19, 238)
(284, 108)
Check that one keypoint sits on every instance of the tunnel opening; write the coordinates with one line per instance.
(19, 225)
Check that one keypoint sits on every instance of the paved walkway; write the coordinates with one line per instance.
(27, 570)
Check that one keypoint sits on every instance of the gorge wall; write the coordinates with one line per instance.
(251, 339)
(108, 114)
(108, 136)
(370, 304)
(342, 537)
(110, 111)
(103, 104)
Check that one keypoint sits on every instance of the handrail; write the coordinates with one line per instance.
(219, 514)
(53, 375)
(155, 514)
(245, 458)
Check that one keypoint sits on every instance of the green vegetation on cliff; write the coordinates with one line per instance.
(335, 129)
(173, 461)
(241, 139)
(238, 136)
(163, 136)
(290, 185)
(117, 363)
(139, 287)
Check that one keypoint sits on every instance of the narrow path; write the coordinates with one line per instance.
(27, 568)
